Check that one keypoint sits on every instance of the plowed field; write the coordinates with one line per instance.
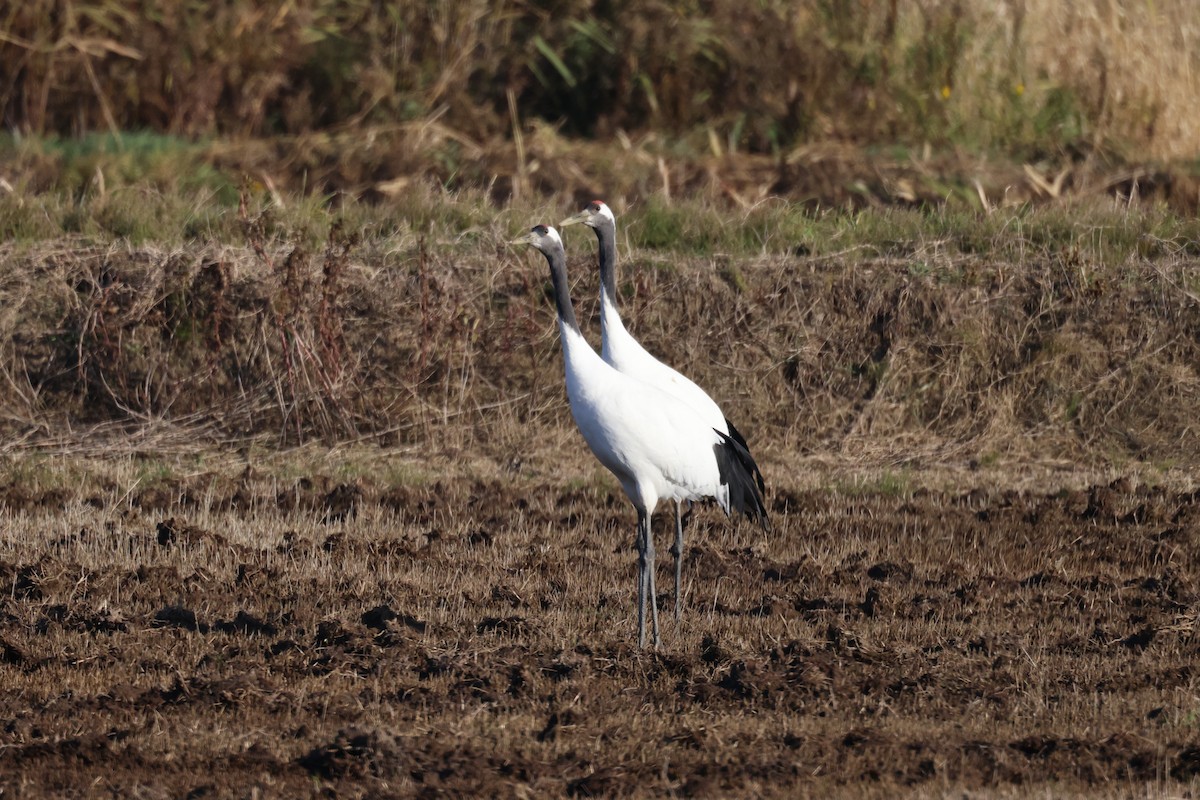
(229, 635)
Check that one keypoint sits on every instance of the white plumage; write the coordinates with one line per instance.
(657, 446)
(627, 355)
(618, 347)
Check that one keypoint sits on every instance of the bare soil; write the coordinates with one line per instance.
(237, 634)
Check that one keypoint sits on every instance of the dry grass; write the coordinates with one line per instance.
(1033, 78)
(1136, 64)
(904, 337)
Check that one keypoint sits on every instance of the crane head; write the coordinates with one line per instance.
(543, 237)
(593, 215)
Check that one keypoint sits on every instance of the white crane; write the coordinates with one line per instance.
(627, 356)
(657, 446)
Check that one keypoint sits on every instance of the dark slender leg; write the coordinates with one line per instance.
(650, 580)
(678, 551)
(642, 585)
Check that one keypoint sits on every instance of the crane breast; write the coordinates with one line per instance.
(642, 434)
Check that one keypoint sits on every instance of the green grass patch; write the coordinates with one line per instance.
(95, 163)
(886, 483)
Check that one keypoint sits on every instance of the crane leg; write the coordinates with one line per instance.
(650, 581)
(677, 549)
(642, 528)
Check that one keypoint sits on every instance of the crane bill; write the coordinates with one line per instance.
(574, 219)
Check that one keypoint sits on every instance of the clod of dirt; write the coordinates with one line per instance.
(11, 654)
(1121, 485)
(870, 603)
(559, 669)
(769, 606)
(980, 644)
(600, 783)
(748, 680)
(1140, 640)
(1075, 502)
(284, 646)
(779, 573)
(973, 499)
(857, 739)
(500, 624)
(255, 756)
(331, 633)
(174, 531)
(79, 537)
(247, 624)
(178, 617)
(479, 537)
(378, 617)
(1102, 502)
(1186, 764)
(26, 584)
(505, 595)
(80, 617)
(162, 578)
(342, 503)
(156, 498)
(886, 570)
(711, 651)
(355, 753)
(1138, 516)
(1037, 579)
(810, 607)
(474, 687)
(1036, 746)
(550, 732)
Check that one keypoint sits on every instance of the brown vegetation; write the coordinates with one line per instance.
(1048, 336)
(1032, 77)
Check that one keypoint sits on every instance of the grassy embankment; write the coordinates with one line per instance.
(1006, 279)
(1056, 333)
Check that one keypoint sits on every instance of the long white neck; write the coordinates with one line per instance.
(614, 338)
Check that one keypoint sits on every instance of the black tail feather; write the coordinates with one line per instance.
(738, 471)
(736, 435)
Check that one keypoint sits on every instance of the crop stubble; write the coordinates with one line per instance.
(227, 632)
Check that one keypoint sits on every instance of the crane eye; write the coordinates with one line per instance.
(540, 230)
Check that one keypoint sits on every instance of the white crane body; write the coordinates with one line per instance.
(656, 445)
(628, 357)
